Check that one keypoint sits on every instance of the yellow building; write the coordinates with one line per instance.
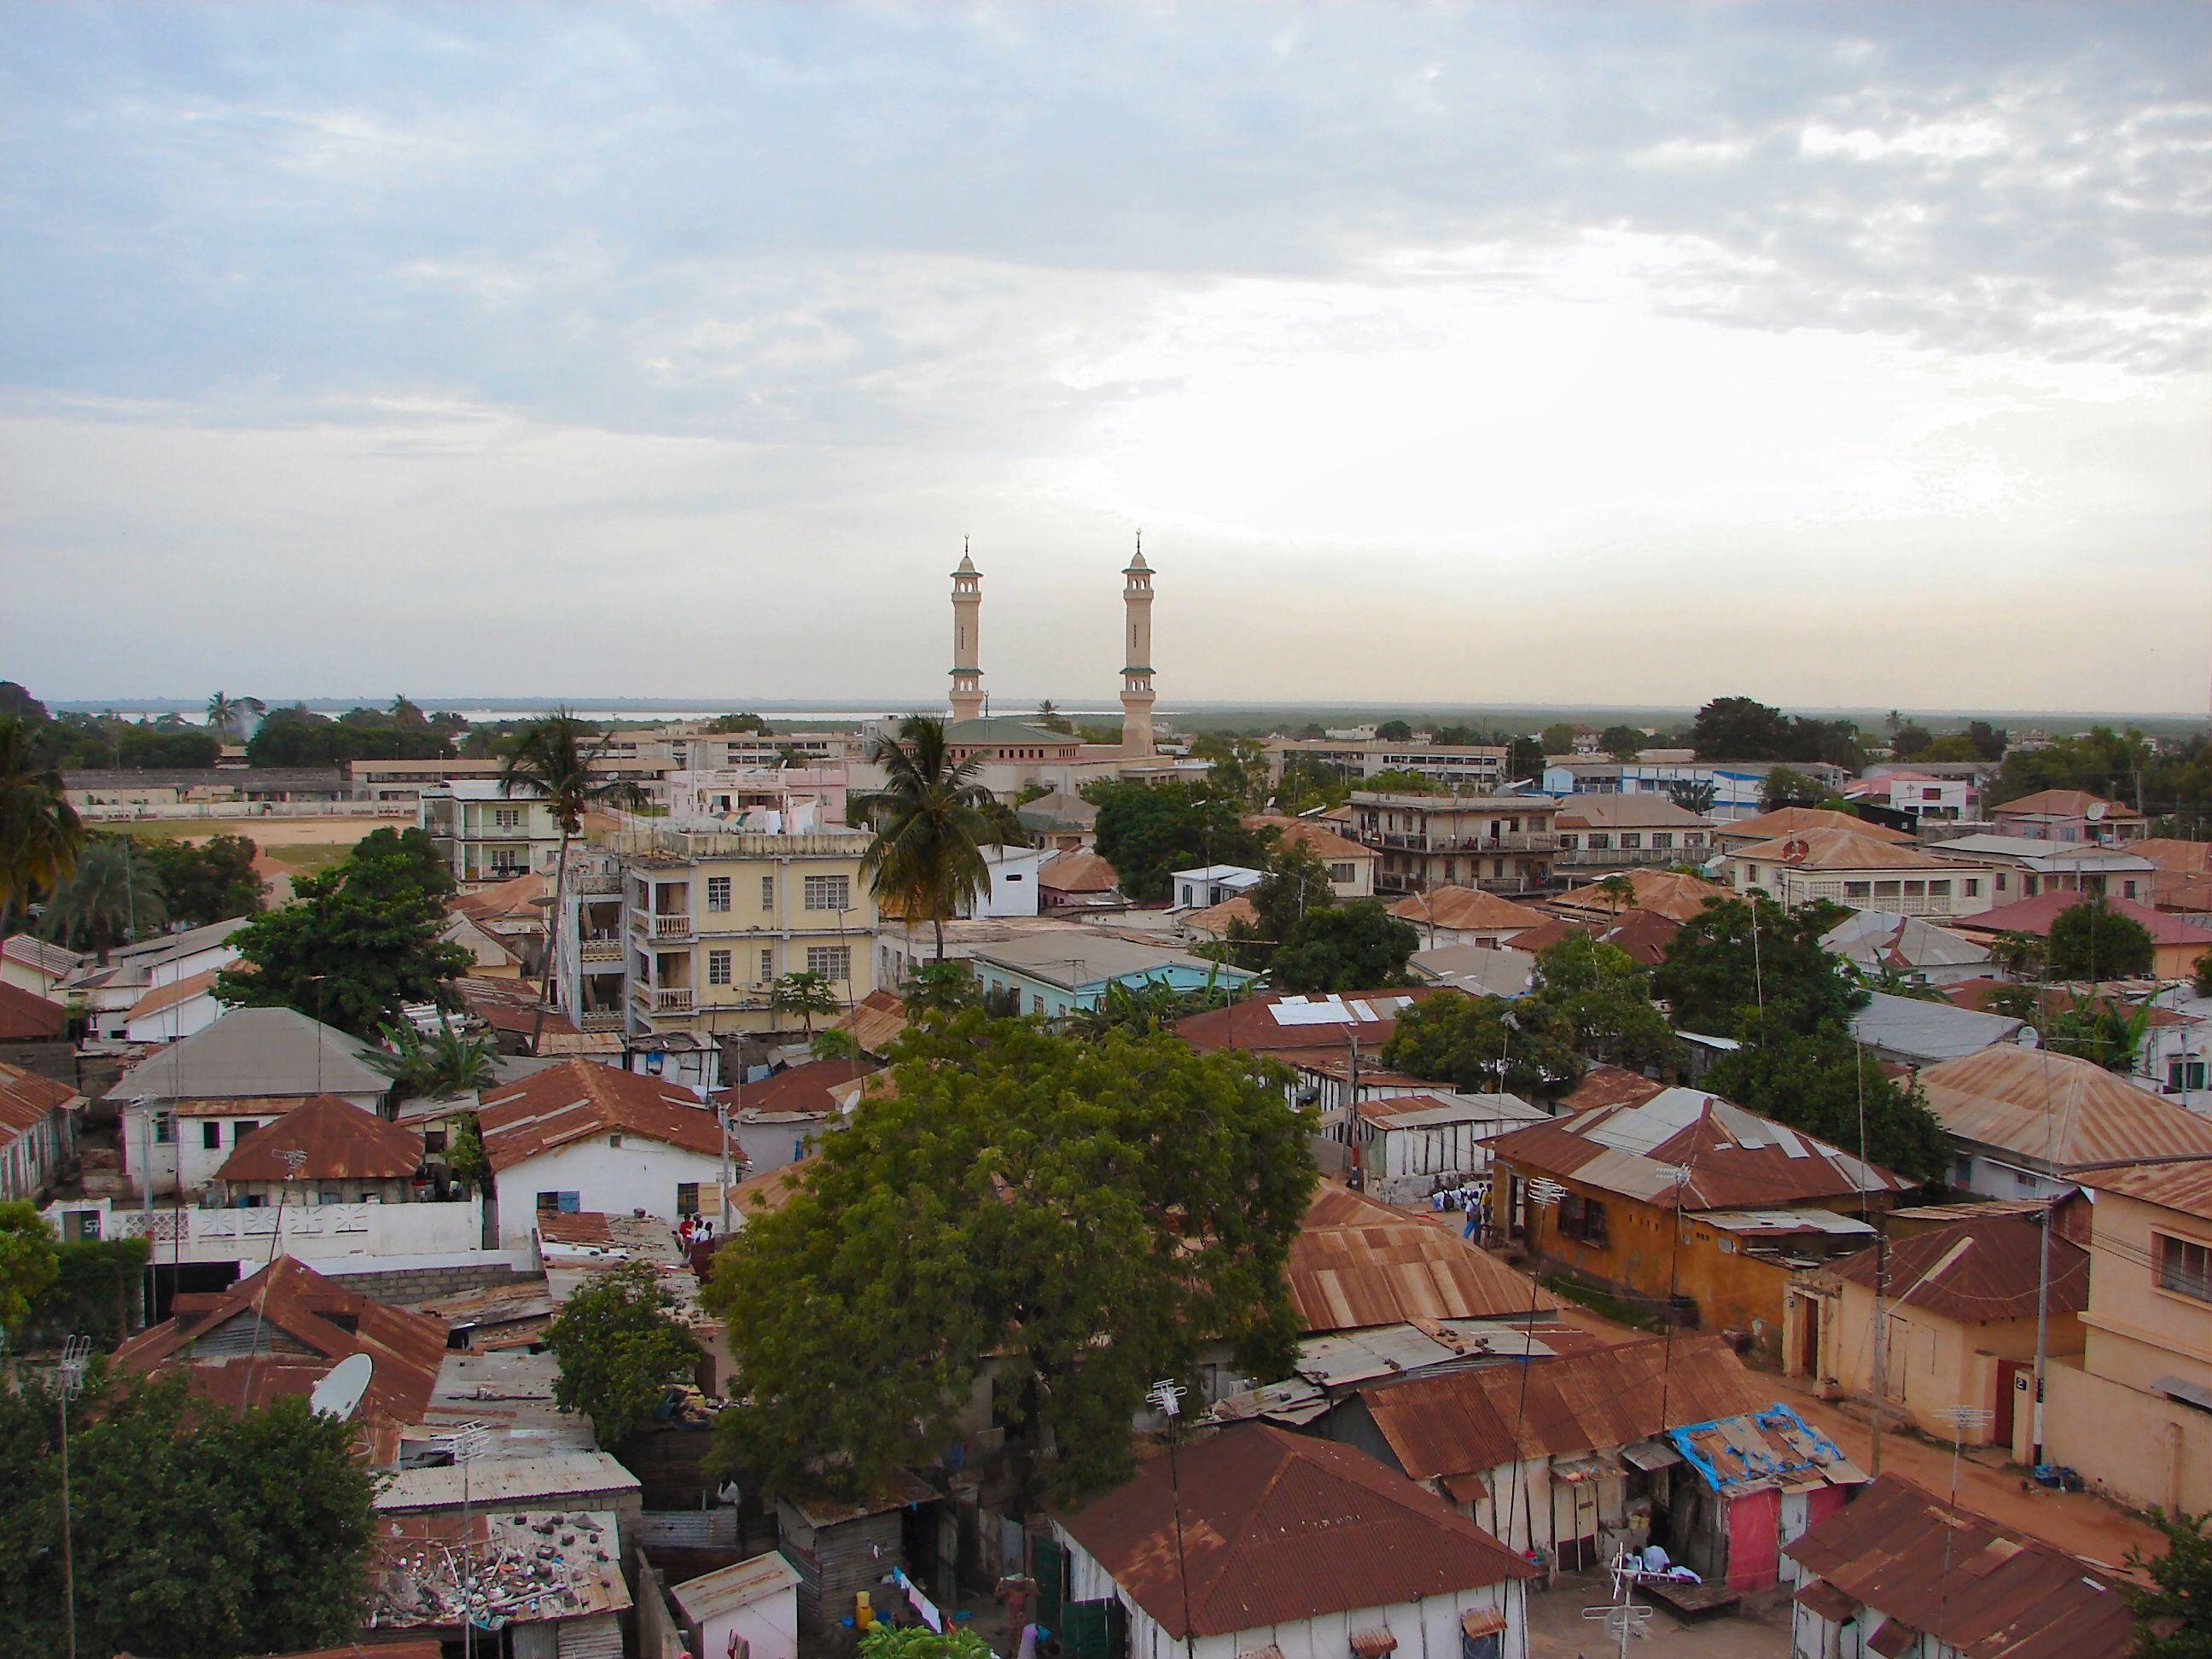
(713, 919)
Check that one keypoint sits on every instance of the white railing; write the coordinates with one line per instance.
(598, 950)
(310, 1230)
(664, 999)
(656, 925)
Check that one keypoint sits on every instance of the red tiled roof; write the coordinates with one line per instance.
(810, 1087)
(1279, 1528)
(1356, 1263)
(308, 1324)
(1467, 1422)
(1981, 1270)
(26, 1098)
(1797, 820)
(1980, 1587)
(337, 1141)
(27, 1017)
(575, 1099)
(1323, 838)
(1557, 928)
(1643, 934)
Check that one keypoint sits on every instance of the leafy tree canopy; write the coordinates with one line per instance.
(298, 736)
(1622, 742)
(2099, 1029)
(360, 942)
(1606, 996)
(2201, 980)
(1693, 795)
(1078, 1217)
(2091, 941)
(1558, 737)
(1821, 1082)
(207, 882)
(1394, 731)
(1735, 956)
(1350, 947)
(1296, 885)
(28, 1260)
(1742, 728)
(1487, 1045)
(1307, 785)
(2100, 760)
(1398, 781)
(198, 1534)
(1785, 787)
(111, 897)
(1147, 832)
(620, 1344)
(1911, 738)
(446, 1063)
(2173, 1610)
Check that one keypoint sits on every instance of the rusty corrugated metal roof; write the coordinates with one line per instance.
(2184, 1184)
(1470, 1421)
(1356, 1263)
(1978, 1270)
(337, 1140)
(1250, 1024)
(575, 1099)
(1278, 1528)
(1986, 1590)
(2049, 1108)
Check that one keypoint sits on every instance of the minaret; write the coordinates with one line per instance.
(1137, 673)
(967, 616)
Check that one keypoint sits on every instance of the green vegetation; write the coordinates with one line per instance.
(2173, 1609)
(207, 881)
(2170, 782)
(298, 736)
(2092, 941)
(1002, 1211)
(1487, 1045)
(620, 1345)
(1743, 729)
(806, 994)
(110, 897)
(28, 1261)
(1397, 781)
(933, 820)
(1354, 945)
(360, 942)
(450, 1062)
(94, 1292)
(882, 1641)
(1148, 830)
(1736, 957)
(1604, 996)
(40, 834)
(556, 760)
(198, 1533)
(2201, 976)
(1821, 1081)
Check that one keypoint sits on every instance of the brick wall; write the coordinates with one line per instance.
(425, 1284)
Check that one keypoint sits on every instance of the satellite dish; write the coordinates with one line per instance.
(338, 1394)
(2095, 811)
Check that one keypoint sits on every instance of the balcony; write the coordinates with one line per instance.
(1624, 858)
(594, 881)
(598, 950)
(600, 1020)
(663, 999)
(1544, 841)
(662, 924)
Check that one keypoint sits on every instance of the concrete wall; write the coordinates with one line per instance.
(638, 1174)
(2142, 1449)
(406, 1284)
(185, 1163)
(326, 1235)
(2138, 1332)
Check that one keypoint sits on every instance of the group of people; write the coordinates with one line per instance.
(694, 1230)
(1470, 1198)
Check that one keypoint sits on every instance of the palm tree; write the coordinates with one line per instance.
(111, 898)
(932, 820)
(553, 759)
(1620, 890)
(1694, 795)
(39, 831)
(227, 716)
(450, 1063)
(806, 994)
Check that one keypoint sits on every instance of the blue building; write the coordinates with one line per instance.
(1057, 972)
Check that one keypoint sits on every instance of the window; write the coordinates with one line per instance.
(1857, 890)
(247, 1125)
(2183, 1073)
(768, 966)
(768, 892)
(1662, 841)
(717, 966)
(1340, 873)
(1583, 1218)
(1973, 887)
(614, 1140)
(687, 1199)
(560, 1203)
(830, 961)
(1751, 872)
(718, 893)
(2127, 890)
(1938, 889)
(210, 1136)
(2184, 1267)
(165, 1128)
(1632, 840)
(507, 817)
(828, 892)
(434, 1141)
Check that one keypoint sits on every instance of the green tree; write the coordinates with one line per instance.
(1622, 742)
(1357, 945)
(40, 834)
(619, 1344)
(28, 1260)
(943, 987)
(1558, 737)
(1786, 787)
(2201, 977)
(1146, 831)
(1909, 740)
(806, 994)
(932, 821)
(558, 760)
(1398, 781)
(834, 1042)
(2173, 1608)
(1051, 718)
(1143, 1009)
(2099, 1029)
(1606, 996)
(1524, 759)
(2016, 952)
(1741, 728)
(1394, 731)
(447, 1063)
(1308, 785)
(2091, 941)
(163, 1488)
(2100, 760)
(111, 897)
(360, 941)
(1239, 768)
(1821, 1081)
(1990, 742)
(207, 883)
(1736, 956)
(464, 1153)
(1297, 886)
(228, 717)
(1008, 1208)
(1483, 1045)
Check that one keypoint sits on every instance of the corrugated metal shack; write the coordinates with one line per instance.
(841, 1549)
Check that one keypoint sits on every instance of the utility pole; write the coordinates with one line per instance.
(69, 1382)
(2042, 1325)
(1880, 1340)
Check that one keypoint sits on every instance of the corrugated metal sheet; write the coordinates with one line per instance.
(1279, 1528)
(2039, 1106)
(1356, 1263)
(336, 1139)
(1758, 1449)
(1984, 1588)
(1982, 1269)
(2185, 1186)
(1474, 1420)
(575, 1099)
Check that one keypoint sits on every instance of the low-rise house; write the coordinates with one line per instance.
(1209, 884)
(1915, 796)
(186, 1107)
(35, 1032)
(1503, 843)
(490, 956)
(1785, 821)
(2020, 1120)
(325, 1151)
(1079, 880)
(1877, 942)
(513, 911)
(1360, 1265)
(1667, 893)
(1861, 872)
(485, 834)
(580, 1136)
(1761, 1479)
(2134, 1413)
(2068, 814)
(750, 1608)
(1560, 1455)
(181, 1008)
(777, 1120)
(1641, 935)
(1322, 1039)
(1011, 882)
(1055, 973)
(112, 989)
(281, 1331)
(1687, 1199)
(1603, 834)
(39, 1121)
(1407, 1146)
(2176, 940)
(1350, 866)
(31, 964)
(1293, 1547)
(2025, 867)
(1466, 915)
(1958, 1326)
(1912, 1031)
(1902, 1572)
(875, 1022)
(1477, 969)
(1059, 821)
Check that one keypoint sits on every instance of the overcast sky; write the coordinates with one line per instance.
(1832, 355)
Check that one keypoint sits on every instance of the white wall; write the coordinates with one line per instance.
(186, 1165)
(769, 1627)
(332, 1236)
(638, 1174)
(180, 1019)
(1013, 890)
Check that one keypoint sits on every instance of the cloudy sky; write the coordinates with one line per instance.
(1832, 355)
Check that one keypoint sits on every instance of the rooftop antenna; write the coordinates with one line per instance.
(1166, 1396)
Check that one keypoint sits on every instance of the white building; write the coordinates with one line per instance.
(1210, 884)
(750, 1608)
(38, 1130)
(181, 1008)
(1012, 887)
(580, 1136)
(486, 835)
(113, 991)
(1411, 1146)
(1860, 872)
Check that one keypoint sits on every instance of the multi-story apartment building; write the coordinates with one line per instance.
(711, 919)
(1500, 843)
(1473, 767)
(485, 835)
(1738, 785)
